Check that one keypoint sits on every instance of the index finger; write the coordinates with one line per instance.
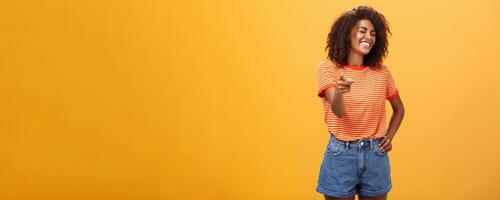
(344, 83)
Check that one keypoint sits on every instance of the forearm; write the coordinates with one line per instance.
(396, 119)
(338, 105)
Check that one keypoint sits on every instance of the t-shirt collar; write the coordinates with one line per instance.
(356, 67)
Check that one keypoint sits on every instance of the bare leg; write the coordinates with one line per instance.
(333, 198)
(381, 197)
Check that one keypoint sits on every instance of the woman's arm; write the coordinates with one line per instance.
(398, 112)
(336, 100)
(336, 95)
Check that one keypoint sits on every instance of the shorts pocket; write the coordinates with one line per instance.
(334, 149)
(378, 150)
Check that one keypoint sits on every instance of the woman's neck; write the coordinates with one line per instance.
(355, 59)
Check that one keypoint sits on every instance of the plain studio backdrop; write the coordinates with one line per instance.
(167, 100)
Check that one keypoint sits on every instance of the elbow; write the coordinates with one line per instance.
(339, 114)
(400, 110)
(337, 110)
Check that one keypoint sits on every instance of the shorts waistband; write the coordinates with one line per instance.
(360, 142)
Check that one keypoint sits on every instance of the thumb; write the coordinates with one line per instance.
(342, 77)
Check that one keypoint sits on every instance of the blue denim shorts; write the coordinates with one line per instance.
(354, 167)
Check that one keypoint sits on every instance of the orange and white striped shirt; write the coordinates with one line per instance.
(364, 104)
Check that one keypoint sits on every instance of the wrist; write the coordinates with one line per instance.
(389, 135)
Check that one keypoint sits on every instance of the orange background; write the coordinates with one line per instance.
(217, 99)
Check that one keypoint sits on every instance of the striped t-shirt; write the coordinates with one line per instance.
(364, 104)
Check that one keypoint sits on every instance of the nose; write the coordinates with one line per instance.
(368, 36)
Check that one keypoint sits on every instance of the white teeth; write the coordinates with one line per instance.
(365, 44)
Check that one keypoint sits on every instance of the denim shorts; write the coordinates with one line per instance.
(354, 167)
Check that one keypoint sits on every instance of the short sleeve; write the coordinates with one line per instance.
(391, 89)
(326, 77)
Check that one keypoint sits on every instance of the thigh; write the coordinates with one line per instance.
(334, 198)
(381, 197)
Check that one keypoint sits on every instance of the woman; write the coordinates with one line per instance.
(353, 86)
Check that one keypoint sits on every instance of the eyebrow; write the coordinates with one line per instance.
(364, 28)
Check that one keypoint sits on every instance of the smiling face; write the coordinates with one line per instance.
(362, 37)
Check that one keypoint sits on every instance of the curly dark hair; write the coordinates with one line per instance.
(338, 42)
